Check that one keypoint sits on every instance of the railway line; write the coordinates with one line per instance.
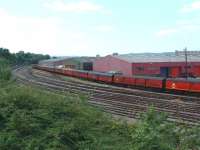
(119, 101)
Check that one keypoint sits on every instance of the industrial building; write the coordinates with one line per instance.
(79, 63)
(168, 64)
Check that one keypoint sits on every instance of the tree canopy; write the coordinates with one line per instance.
(21, 57)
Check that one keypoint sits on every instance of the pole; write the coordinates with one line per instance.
(186, 62)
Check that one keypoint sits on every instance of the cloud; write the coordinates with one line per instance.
(104, 28)
(27, 33)
(81, 6)
(180, 28)
(166, 32)
(41, 35)
(190, 7)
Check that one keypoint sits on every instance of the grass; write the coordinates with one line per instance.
(37, 119)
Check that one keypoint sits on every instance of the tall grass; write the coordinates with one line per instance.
(37, 119)
(5, 71)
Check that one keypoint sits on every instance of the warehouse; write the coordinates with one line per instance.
(79, 63)
(168, 64)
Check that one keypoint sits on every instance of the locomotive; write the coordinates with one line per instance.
(189, 85)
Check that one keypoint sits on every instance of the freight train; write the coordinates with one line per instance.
(190, 85)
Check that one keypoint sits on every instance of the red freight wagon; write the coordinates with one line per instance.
(118, 80)
(195, 86)
(58, 70)
(92, 76)
(98, 76)
(178, 84)
(124, 80)
(67, 72)
(75, 73)
(140, 81)
(129, 80)
(154, 82)
(81, 74)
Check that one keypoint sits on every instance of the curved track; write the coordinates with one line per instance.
(119, 101)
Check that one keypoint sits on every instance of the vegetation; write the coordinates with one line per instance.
(35, 119)
(21, 57)
(5, 72)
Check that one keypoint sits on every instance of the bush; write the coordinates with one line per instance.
(33, 119)
(154, 132)
(5, 71)
(37, 119)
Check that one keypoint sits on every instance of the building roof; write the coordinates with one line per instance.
(156, 57)
(77, 59)
(54, 60)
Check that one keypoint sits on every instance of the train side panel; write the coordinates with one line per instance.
(82, 74)
(180, 85)
(67, 72)
(92, 76)
(140, 82)
(124, 80)
(195, 87)
(106, 79)
(102, 77)
(154, 83)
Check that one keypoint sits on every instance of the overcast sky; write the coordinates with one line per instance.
(90, 27)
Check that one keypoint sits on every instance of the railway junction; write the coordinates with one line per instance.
(117, 100)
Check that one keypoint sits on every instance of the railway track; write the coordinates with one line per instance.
(119, 101)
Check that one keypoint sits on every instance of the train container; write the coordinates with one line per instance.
(92, 76)
(103, 77)
(106, 79)
(75, 73)
(178, 84)
(154, 82)
(187, 85)
(195, 86)
(67, 72)
(140, 81)
(123, 80)
(81, 74)
(59, 70)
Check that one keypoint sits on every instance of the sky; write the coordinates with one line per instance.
(91, 27)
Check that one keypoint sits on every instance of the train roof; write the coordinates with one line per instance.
(100, 73)
(184, 79)
(149, 77)
(142, 77)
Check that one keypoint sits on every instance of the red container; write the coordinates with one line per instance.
(195, 87)
(118, 80)
(67, 72)
(154, 83)
(140, 81)
(129, 80)
(106, 79)
(92, 76)
(178, 84)
(82, 74)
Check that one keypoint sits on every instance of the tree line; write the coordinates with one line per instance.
(21, 58)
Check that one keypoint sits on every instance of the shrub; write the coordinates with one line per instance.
(5, 71)
(35, 119)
